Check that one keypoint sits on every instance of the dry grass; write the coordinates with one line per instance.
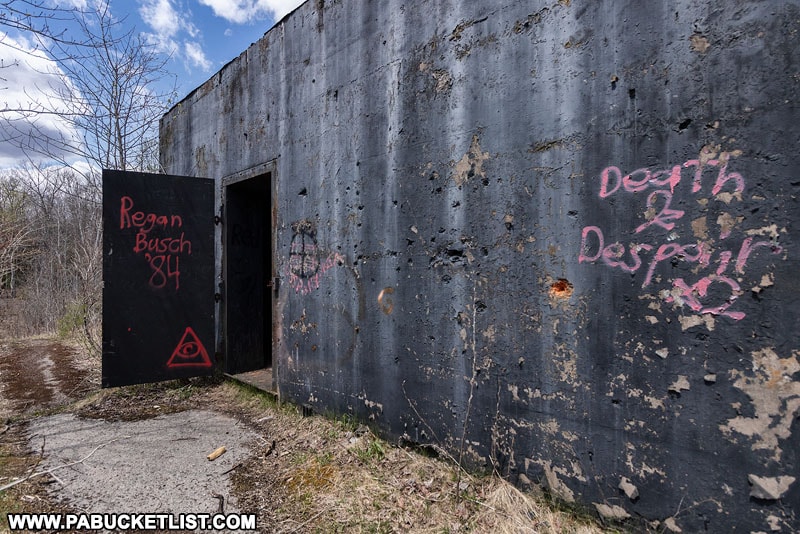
(312, 474)
(332, 476)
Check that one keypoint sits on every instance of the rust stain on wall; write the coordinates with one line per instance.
(561, 289)
(385, 302)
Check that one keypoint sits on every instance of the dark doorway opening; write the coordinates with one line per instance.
(247, 268)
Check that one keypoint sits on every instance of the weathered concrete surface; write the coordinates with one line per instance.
(557, 237)
(158, 465)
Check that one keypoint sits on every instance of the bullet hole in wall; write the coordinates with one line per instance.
(561, 289)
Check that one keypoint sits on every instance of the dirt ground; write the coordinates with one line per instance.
(299, 474)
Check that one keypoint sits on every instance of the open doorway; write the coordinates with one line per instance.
(247, 269)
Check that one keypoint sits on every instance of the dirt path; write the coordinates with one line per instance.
(40, 374)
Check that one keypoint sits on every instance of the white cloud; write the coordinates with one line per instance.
(280, 8)
(242, 11)
(162, 43)
(196, 56)
(30, 81)
(168, 23)
(161, 17)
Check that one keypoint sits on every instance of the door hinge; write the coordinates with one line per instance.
(274, 283)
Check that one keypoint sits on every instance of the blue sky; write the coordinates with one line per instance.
(198, 36)
(203, 35)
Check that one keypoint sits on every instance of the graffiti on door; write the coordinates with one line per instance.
(162, 254)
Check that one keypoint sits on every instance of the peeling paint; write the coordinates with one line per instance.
(727, 223)
(769, 488)
(771, 231)
(611, 511)
(775, 395)
(444, 80)
(471, 164)
(643, 469)
(700, 228)
(767, 280)
(672, 525)
(654, 402)
(556, 486)
(697, 320)
(681, 384)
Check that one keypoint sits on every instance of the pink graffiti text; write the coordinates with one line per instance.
(659, 214)
(305, 285)
(612, 180)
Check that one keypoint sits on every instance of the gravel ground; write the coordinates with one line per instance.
(154, 465)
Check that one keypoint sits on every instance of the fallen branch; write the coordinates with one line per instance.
(50, 471)
(232, 468)
(221, 509)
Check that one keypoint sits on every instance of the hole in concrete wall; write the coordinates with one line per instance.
(303, 192)
(561, 289)
(632, 93)
(685, 124)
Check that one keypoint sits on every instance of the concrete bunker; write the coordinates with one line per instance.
(557, 237)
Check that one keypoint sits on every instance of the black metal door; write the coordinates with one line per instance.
(158, 277)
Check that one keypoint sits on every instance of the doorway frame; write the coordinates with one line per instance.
(268, 170)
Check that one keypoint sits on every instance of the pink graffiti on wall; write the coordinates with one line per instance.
(306, 265)
(652, 248)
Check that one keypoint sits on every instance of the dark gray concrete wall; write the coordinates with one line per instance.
(557, 238)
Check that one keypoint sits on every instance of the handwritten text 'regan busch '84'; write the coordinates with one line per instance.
(659, 217)
(161, 253)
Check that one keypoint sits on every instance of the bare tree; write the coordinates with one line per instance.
(17, 235)
(42, 18)
(99, 109)
(104, 95)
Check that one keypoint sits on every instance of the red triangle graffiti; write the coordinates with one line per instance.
(190, 352)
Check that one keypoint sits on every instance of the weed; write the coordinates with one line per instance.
(185, 392)
(72, 320)
(346, 422)
(310, 477)
(374, 451)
